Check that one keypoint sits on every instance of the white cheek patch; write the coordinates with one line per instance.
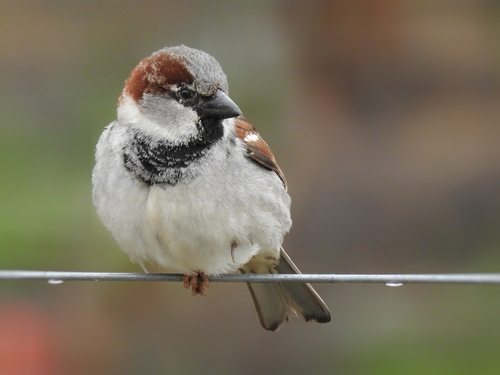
(128, 111)
(251, 138)
(169, 120)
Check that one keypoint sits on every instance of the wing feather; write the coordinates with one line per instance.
(257, 148)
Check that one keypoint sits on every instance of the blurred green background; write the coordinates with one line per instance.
(384, 116)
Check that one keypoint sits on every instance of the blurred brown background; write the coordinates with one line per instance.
(384, 116)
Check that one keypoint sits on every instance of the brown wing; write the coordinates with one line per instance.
(258, 150)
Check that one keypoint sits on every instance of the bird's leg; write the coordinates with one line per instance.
(205, 283)
(198, 283)
(234, 245)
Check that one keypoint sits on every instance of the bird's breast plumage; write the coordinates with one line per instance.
(221, 199)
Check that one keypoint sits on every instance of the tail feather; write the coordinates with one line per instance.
(276, 302)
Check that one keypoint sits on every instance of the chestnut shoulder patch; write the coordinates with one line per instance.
(257, 148)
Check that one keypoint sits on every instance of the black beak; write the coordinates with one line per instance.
(218, 106)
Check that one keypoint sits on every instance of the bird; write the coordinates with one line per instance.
(183, 181)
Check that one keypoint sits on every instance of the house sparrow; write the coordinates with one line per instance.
(183, 181)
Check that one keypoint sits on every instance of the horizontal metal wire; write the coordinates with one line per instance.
(56, 277)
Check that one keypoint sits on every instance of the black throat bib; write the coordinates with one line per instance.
(160, 162)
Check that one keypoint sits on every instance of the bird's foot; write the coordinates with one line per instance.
(198, 283)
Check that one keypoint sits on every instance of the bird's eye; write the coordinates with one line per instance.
(185, 94)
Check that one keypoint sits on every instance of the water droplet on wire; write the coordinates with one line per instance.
(54, 281)
(394, 284)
